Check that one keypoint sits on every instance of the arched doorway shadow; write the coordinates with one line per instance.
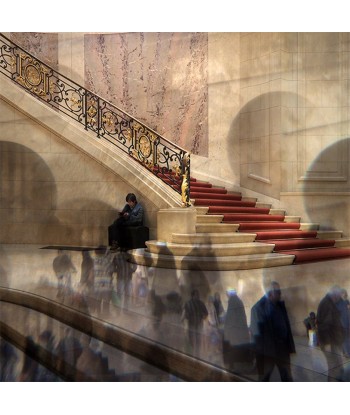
(256, 143)
(27, 186)
(329, 172)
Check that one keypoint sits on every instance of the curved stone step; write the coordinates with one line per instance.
(210, 218)
(142, 257)
(208, 250)
(215, 227)
(309, 226)
(212, 238)
(342, 243)
(277, 212)
(329, 234)
(263, 205)
(201, 210)
(292, 219)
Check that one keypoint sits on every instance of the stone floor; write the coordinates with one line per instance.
(29, 268)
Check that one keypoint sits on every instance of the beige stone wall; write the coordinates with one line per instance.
(222, 166)
(294, 123)
(278, 111)
(52, 193)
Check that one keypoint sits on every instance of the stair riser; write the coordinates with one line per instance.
(210, 190)
(258, 226)
(280, 234)
(238, 218)
(222, 203)
(213, 238)
(214, 228)
(209, 218)
(229, 211)
(215, 196)
(300, 244)
(211, 264)
(210, 250)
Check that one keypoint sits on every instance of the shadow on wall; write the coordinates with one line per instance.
(96, 216)
(27, 186)
(254, 142)
(29, 212)
(329, 171)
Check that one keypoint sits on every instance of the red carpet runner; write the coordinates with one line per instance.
(287, 237)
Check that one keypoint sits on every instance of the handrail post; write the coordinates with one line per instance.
(186, 177)
(85, 109)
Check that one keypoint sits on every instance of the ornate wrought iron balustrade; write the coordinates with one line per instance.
(164, 159)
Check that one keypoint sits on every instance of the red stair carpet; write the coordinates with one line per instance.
(287, 237)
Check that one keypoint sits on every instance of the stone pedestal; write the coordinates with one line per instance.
(175, 220)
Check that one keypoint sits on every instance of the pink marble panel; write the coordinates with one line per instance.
(43, 46)
(158, 78)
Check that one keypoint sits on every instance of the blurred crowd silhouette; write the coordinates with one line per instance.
(205, 326)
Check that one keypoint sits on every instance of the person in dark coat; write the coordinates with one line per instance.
(87, 270)
(63, 268)
(131, 215)
(237, 350)
(195, 312)
(272, 335)
(344, 308)
(330, 331)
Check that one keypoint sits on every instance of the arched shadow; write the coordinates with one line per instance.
(26, 184)
(329, 171)
(254, 140)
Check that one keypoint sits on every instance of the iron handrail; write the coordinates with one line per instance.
(164, 159)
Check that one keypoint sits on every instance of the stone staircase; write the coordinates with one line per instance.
(236, 233)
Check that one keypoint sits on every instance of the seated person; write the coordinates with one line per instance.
(131, 215)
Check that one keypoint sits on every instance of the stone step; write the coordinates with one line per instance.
(277, 212)
(215, 227)
(201, 210)
(263, 205)
(212, 238)
(249, 199)
(209, 218)
(329, 234)
(292, 219)
(208, 250)
(228, 263)
(342, 243)
(309, 226)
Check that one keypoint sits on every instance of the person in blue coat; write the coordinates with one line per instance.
(272, 335)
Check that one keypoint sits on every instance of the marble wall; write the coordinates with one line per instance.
(44, 46)
(158, 78)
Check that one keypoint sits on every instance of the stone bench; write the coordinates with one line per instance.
(134, 236)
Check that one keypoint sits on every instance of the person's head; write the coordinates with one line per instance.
(195, 294)
(217, 296)
(335, 293)
(210, 299)
(230, 292)
(273, 292)
(312, 315)
(131, 200)
(344, 294)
